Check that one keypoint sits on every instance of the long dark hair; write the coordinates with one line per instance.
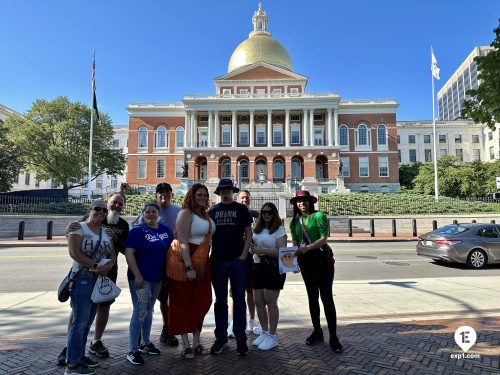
(297, 212)
(275, 224)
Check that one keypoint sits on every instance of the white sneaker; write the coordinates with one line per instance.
(259, 340)
(269, 342)
(254, 327)
(230, 332)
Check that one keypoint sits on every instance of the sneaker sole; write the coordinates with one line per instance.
(134, 363)
(71, 373)
(225, 346)
(92, 366)
(100, 355)
(269, 348)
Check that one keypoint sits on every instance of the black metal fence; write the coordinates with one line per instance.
(15, 205)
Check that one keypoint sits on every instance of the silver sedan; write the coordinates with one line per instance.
(473, 244)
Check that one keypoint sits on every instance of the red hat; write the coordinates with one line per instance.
(303, 194)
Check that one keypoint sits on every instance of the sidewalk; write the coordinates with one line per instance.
(386, 327)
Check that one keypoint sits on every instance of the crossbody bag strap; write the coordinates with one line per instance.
(304, 232)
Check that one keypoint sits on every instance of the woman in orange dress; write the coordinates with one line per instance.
(190, 300)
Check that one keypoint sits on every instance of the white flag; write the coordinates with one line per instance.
(434, 66)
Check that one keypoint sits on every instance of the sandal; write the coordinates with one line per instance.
(201, 350)
(188, 353)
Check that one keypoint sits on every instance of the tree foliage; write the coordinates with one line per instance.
(407, 173)
(54, 138)
(484, 105)
(10, 160)
(473, 179)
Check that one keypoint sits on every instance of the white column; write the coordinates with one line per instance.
(269, 128)
(194, 142)
(336, 126)
(287, 127)
(234, 132)
(330, 128)
(252, 128)
(311, 127)
(305, 129)
(187, 138)
(216, 130)
(210, 129)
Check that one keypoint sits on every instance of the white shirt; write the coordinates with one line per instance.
(199, 229)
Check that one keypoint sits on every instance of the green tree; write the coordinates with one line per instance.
(407, 173)
(484, 105)
(10, 160)
(53, 137)
(448, 177)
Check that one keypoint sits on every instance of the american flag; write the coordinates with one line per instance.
(94, 99)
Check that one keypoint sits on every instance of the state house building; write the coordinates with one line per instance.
(262, 125)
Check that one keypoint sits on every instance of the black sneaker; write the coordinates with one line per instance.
(87, 361)
(316, 336)
(335, 344)
(241, 347)
(97, 348)
(149, 348)
(61, 359)
(79, 369)
(168, 339)
(135, 358)
(218, 346)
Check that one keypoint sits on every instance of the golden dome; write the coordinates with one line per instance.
(260, 47)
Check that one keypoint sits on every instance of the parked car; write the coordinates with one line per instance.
(473, 244)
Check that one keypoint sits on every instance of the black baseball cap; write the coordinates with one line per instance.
(163, 186)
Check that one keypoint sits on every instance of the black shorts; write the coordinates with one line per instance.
(266, 275)
(113, 275)
(163, 296)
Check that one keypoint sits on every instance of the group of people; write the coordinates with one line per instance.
(225, 243)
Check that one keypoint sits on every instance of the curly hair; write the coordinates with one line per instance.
(189, 200)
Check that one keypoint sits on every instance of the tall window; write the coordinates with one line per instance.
(413, 155)
(226, 169)
(476, 154)
(362, 135)
(244, 140)
(382, 136)
(475, 138)
(98, 182)
(411, 138)
(261, 135)
(318, 136)
(160, 168)
(203, 137)
(114, 182)
(399, 156)
(427, 138)
(278, 169)
(492, 152)
(142, 137)
(179, 137)
(346, 170)
(244, 169)
(383, 166)
(141, 169)
(343, 135)
(428, 155)
(27, 178)
(179, 168)
(160, 137)
(277, 134)
(459, 154)
(296, 169)
(363, 167)
(226, 135)
(295, 134)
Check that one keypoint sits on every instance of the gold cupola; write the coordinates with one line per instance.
(260, 46)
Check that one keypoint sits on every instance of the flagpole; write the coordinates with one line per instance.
(436, 188)
(89, 180)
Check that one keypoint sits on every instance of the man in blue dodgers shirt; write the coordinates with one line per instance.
(230, 244)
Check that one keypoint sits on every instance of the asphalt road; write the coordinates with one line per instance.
(25, 269)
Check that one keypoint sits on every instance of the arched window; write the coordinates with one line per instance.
(160, 137)
(225, 171)
(244, 169)
(179, 137)
(343, 135)
(362, 135)
(382, 135)
(142, 137)
(278, 169)
(296, 169)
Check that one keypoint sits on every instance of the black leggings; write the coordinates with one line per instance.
(322, 286)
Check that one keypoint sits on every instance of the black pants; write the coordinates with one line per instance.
(317, 286)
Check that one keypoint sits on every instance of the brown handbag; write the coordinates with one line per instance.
(176, 269)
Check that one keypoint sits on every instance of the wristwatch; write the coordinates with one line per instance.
(189, 268)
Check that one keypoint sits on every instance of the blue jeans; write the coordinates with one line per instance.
(235, 271)
(142, 315)
(84, 311)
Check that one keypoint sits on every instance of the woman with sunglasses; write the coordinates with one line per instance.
(309, 229)
(146, 253)
(88, 245)
(268, 237)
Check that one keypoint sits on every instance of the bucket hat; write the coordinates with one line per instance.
(224, 184)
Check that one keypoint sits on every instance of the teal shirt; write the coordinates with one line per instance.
(316, 225)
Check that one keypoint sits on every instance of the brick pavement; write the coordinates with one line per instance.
(419, 347)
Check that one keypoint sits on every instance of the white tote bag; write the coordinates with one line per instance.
(104, 290)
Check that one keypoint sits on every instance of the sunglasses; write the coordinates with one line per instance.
(267, 212)
(99, 209)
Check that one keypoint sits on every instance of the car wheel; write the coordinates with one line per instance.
(477, 259)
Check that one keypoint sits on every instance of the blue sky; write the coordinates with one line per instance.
(160, 50)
